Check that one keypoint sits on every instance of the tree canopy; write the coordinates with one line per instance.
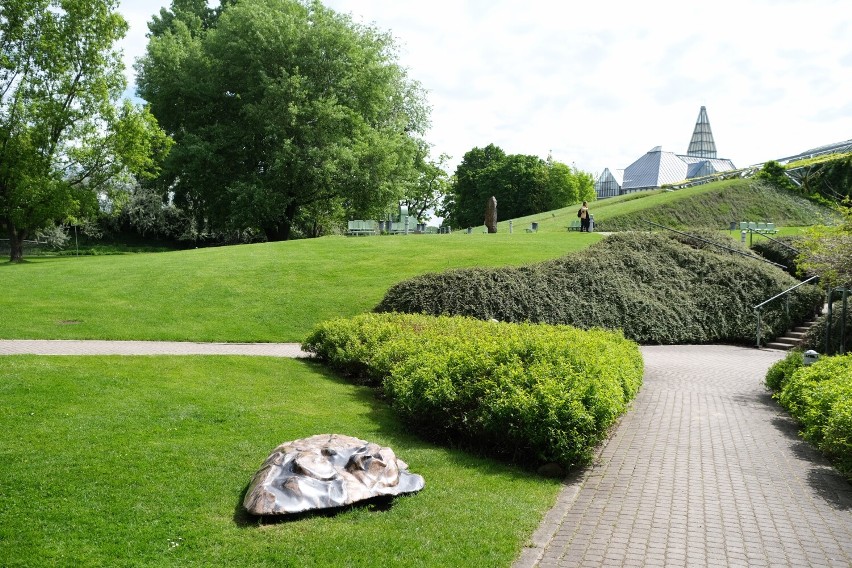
(282, 111)
(64, 136)
(522, 184)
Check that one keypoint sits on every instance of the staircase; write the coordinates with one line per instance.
(791, 339)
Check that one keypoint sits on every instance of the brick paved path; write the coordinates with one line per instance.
(705, 470)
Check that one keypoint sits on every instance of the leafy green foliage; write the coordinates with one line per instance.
(653, 287)
(828, 252)
(276, 106)
(781, 371)
(826, 177)
(64, 138)
(815, 336)
(523, 185)
(532, 393)
(780, 250)
(820, 398)
(775, 175)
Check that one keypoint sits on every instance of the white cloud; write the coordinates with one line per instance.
(601, 83)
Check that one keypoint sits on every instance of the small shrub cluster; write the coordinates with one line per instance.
(781, 371)
(781, 250)
(529, 393)
(657, 289)
(820, 398)
(815, 336)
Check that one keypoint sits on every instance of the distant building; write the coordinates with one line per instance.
(658, 168)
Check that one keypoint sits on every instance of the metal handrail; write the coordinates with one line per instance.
(739, 252)
(758, 307)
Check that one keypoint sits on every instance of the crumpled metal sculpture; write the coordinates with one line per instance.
(326, 471)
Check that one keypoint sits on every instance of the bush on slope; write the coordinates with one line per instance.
(657, 289)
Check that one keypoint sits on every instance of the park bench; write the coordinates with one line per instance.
(360, 227)
(575, 225)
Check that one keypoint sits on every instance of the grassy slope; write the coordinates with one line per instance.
(265, 292)
(712, 205)
(143, 461)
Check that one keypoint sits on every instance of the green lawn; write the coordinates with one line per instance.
(143, 461)
(250, 293)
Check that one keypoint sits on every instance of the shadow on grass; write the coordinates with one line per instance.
(244, 519)
(463, 454)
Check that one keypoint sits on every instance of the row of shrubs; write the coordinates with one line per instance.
(657, 288)
(532, 394)
(819, 397)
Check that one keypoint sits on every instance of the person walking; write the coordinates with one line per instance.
(585, 220)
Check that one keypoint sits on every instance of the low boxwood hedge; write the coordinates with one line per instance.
(819, 396)
(529, 393)
(658, 289)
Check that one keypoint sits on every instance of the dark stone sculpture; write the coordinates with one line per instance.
(491, 215)
(324, 471)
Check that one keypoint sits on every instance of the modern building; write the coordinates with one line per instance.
(658, 167)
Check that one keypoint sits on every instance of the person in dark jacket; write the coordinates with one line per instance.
(585, 220)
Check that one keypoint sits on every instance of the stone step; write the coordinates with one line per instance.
(779, 346)
(795, 334)
(787, 341)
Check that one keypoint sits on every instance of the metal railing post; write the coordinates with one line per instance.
(843, 322)
(757, 311)
(828, 322)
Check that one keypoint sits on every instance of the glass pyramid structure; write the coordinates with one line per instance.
(702, 144)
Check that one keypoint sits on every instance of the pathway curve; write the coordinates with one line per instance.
(705, 470)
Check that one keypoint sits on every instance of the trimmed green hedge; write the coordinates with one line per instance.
(530, 393)
(815, 336)
(820, 398)
(656, 288)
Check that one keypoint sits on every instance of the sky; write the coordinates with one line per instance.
(599, 83)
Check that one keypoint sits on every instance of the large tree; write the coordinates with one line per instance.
(522, 184)
(278, 107)
(64, 136)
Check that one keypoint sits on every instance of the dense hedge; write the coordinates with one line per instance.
(656, 288)
(781, 250)
(815, 336)
(820, 398)
(530, 393)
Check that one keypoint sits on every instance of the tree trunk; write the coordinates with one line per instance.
(16, 244)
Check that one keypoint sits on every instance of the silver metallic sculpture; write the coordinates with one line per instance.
(324, 471)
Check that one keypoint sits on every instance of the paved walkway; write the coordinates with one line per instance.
(705, 470)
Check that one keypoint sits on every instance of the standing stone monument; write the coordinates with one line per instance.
(491, 215)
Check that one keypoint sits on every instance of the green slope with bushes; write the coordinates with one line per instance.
(659, 289)
(713, 206)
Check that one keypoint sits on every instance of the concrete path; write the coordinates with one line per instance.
(705, 470)
(82, 347)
